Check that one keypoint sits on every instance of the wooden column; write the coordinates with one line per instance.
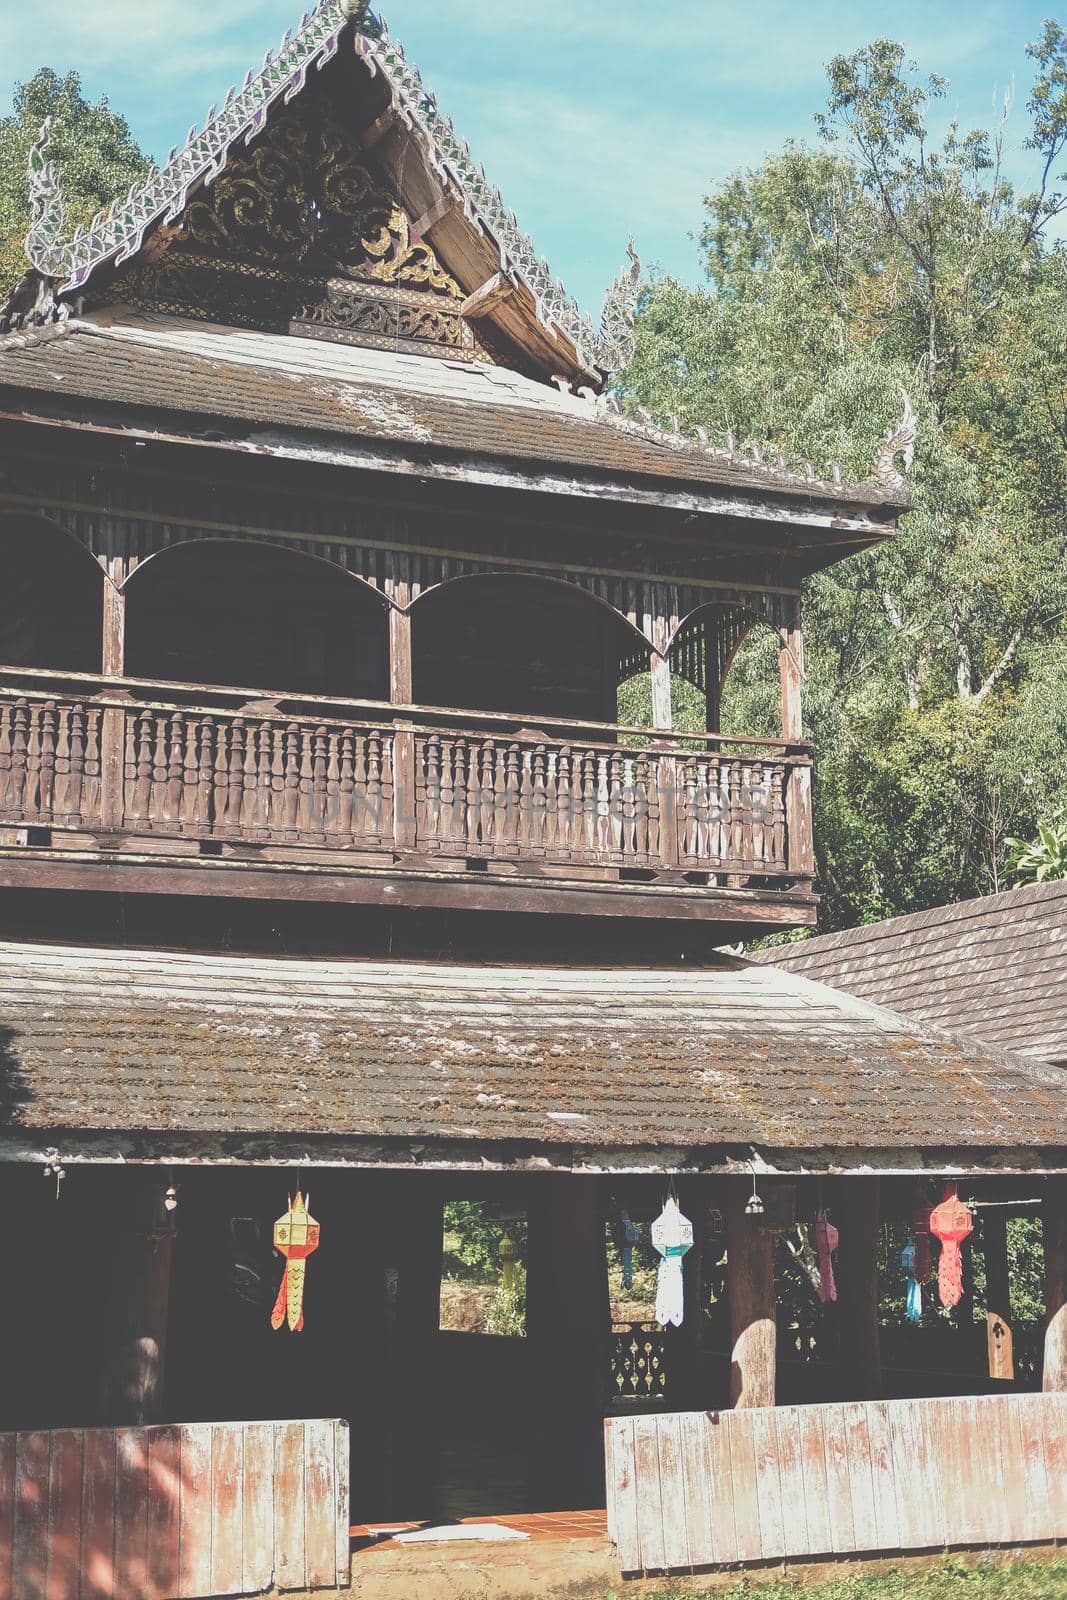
(1054, 1225)
(750, 1291)
(798, 811)
(791, 673)
(399, 657)
(142, 1236)
(689, 1394)
(416, 1205)
(857, 1288)
(568, 1326)
(662, 718)
(998, 1299)
(113, 722)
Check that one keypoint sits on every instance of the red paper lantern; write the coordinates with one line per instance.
(950, 1222)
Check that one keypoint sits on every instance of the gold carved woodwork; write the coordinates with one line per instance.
(302, 197)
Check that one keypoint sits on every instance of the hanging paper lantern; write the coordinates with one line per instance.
(509, 1254)
(950, 1222)
(920, 1223)
(915, 1294)
(628, 1235)
(672, 1236)
(826, 1240)
(296, 1236)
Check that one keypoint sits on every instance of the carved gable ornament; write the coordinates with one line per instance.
(300, 235)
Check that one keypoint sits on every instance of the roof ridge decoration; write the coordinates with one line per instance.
(117, 233)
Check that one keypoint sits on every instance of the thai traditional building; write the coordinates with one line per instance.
(328, 863)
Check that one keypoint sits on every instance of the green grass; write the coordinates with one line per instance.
(949, 1580)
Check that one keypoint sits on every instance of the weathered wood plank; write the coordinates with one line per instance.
(227, 1508)
(289, 1561)
(860, 1477)
(839, 1487)
(1056, 1462)
(796, 1537)
(342, 1503)
(995, 1528)
(746, 1499)
(319, 1504)
(672, 1492)
(695, 1427)
(930, 1474)
(650, 1501)
(768, 1482)
(65, 1515)
(7, 1512)
(258, 1510)
(30, 1562)
(883, 1475)
(164, 1511)
(195, 1527)
(623, 1491)
(813, 1472)
(721, 1486)
(1033, 1422)
(98, 1515)
(131, 1513)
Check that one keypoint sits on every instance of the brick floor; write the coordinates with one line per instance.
(539, 1526)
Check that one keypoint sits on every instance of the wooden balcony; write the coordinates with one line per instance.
(163, 787)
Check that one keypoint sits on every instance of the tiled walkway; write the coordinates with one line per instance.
(540, 1526)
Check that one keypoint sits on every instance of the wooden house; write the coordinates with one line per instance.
(327, 863)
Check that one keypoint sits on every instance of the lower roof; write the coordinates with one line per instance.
(991, 967)
(149, 1054)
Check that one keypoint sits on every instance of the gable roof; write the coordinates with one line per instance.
(994, 968)
(118, 234)
(158, 1052)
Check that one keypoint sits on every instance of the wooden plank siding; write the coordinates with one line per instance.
(703, 1489)
(173, 1512)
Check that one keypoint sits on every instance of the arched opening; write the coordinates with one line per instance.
(523, 645)
(51, 609)
(727, 658)
(256, 616)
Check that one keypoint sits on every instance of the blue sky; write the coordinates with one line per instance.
(597, 118)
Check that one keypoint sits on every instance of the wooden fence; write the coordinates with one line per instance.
(173, 1512)
(702, 1489)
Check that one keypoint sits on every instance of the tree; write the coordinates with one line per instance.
(94, 152)
(838, 276)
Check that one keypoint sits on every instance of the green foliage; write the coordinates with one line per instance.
(506, 1312)
(94, 152)
(1037, 860)
(989, 1578)
(882, 261)
(472, 1241)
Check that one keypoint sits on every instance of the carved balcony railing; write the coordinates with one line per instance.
(127, 762)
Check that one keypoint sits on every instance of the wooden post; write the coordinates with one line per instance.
(692, 1198)
(791, 674)
(138, 1302)
(1054, 1225)
(400, 690)
(416, 1204)
(750, 1291)
(568, 1326)
(661, 693)
(113, 721)
(998, 1299)
(857, 1286)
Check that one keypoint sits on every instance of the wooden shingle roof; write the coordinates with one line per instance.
(994, 968)
(173, 1055)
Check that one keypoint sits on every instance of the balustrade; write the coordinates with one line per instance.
(357, 776)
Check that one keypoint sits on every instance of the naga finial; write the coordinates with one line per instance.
(615, 345)
(899, 441)
(47, 212)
